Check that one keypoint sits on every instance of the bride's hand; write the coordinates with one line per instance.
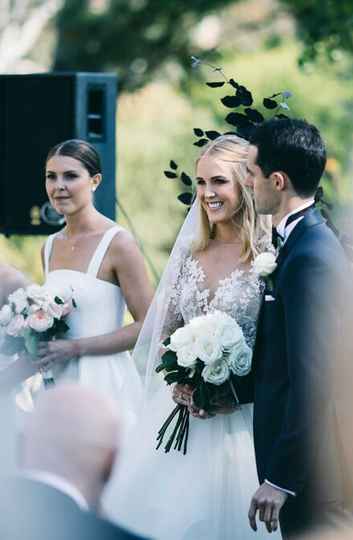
(182, 394)
(53, 352)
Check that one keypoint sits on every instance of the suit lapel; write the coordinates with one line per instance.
(312, 217)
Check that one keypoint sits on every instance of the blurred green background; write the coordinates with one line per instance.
(304, 46)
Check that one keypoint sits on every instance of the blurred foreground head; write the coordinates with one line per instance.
(73, 433)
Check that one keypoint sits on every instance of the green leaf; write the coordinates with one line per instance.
(185, 178)
(169, 360)
(238, 120)
(231, 101)
(201, 142)
(173, 165)
(212, 135)
(215, 84)
(31, 343)
(233, 83)
(270, 103)
(185, 198)
(170, 174)
(254, 115)
(198, 132)
(174, 377)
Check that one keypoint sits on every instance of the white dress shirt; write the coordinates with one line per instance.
(59, 483)
(285, 232)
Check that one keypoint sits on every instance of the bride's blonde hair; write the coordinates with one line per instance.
(253, 230)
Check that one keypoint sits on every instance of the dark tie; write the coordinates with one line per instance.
(277, 239)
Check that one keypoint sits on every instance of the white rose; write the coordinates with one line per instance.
(181, 338)
(40, 321)
(239, 360)
(208, 348)
(186, 357)
(19, 299)
(217, 373)
(229, 332)
(5, 315)
(16, 326)
(265, 263)
(204, 324)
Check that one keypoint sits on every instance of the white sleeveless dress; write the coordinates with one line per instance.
(100, 310)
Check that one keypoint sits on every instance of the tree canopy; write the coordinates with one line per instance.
(323, 25)
(135, 36)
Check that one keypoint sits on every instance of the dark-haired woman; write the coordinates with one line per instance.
(102, 264)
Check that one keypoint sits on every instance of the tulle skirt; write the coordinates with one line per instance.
(204, 494)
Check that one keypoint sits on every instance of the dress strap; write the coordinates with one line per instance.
(47, 252)
(101, 250)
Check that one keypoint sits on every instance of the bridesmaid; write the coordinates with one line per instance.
(103, 265)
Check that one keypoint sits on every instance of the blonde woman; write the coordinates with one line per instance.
(204, 494)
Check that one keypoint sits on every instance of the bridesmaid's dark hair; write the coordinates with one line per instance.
(81, 150)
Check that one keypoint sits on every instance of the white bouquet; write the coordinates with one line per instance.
(205, 354)
(34, 314)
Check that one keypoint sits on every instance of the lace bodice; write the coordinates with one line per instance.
(238, 295)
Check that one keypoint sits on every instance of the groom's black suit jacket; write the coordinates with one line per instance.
(31, 510)
(299, 328)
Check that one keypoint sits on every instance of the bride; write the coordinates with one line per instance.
(204, 494)
(103, 266)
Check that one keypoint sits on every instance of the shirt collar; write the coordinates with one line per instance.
(281, 227)
(59, 483)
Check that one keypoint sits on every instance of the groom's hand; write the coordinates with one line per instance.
(268, 501)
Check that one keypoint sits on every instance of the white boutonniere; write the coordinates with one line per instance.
(264, 265)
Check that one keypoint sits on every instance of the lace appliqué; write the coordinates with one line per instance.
(238, 294)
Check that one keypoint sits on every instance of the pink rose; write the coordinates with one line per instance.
(16, 326)
(40, 321)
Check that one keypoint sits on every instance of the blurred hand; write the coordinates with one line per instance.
(53, 352)
(268, 501)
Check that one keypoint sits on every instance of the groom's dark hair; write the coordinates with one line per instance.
(294, 147)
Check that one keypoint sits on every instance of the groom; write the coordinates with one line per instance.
(297, 450)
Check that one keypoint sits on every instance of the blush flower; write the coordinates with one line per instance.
(40, 321)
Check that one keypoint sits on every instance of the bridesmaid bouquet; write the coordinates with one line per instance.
(34, 314)
(205, 354)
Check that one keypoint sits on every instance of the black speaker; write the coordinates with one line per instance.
(36, 112)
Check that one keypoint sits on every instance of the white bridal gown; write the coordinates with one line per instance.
(100, 310)
(205, 494)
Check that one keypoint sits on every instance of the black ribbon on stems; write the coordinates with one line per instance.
(180, 432)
